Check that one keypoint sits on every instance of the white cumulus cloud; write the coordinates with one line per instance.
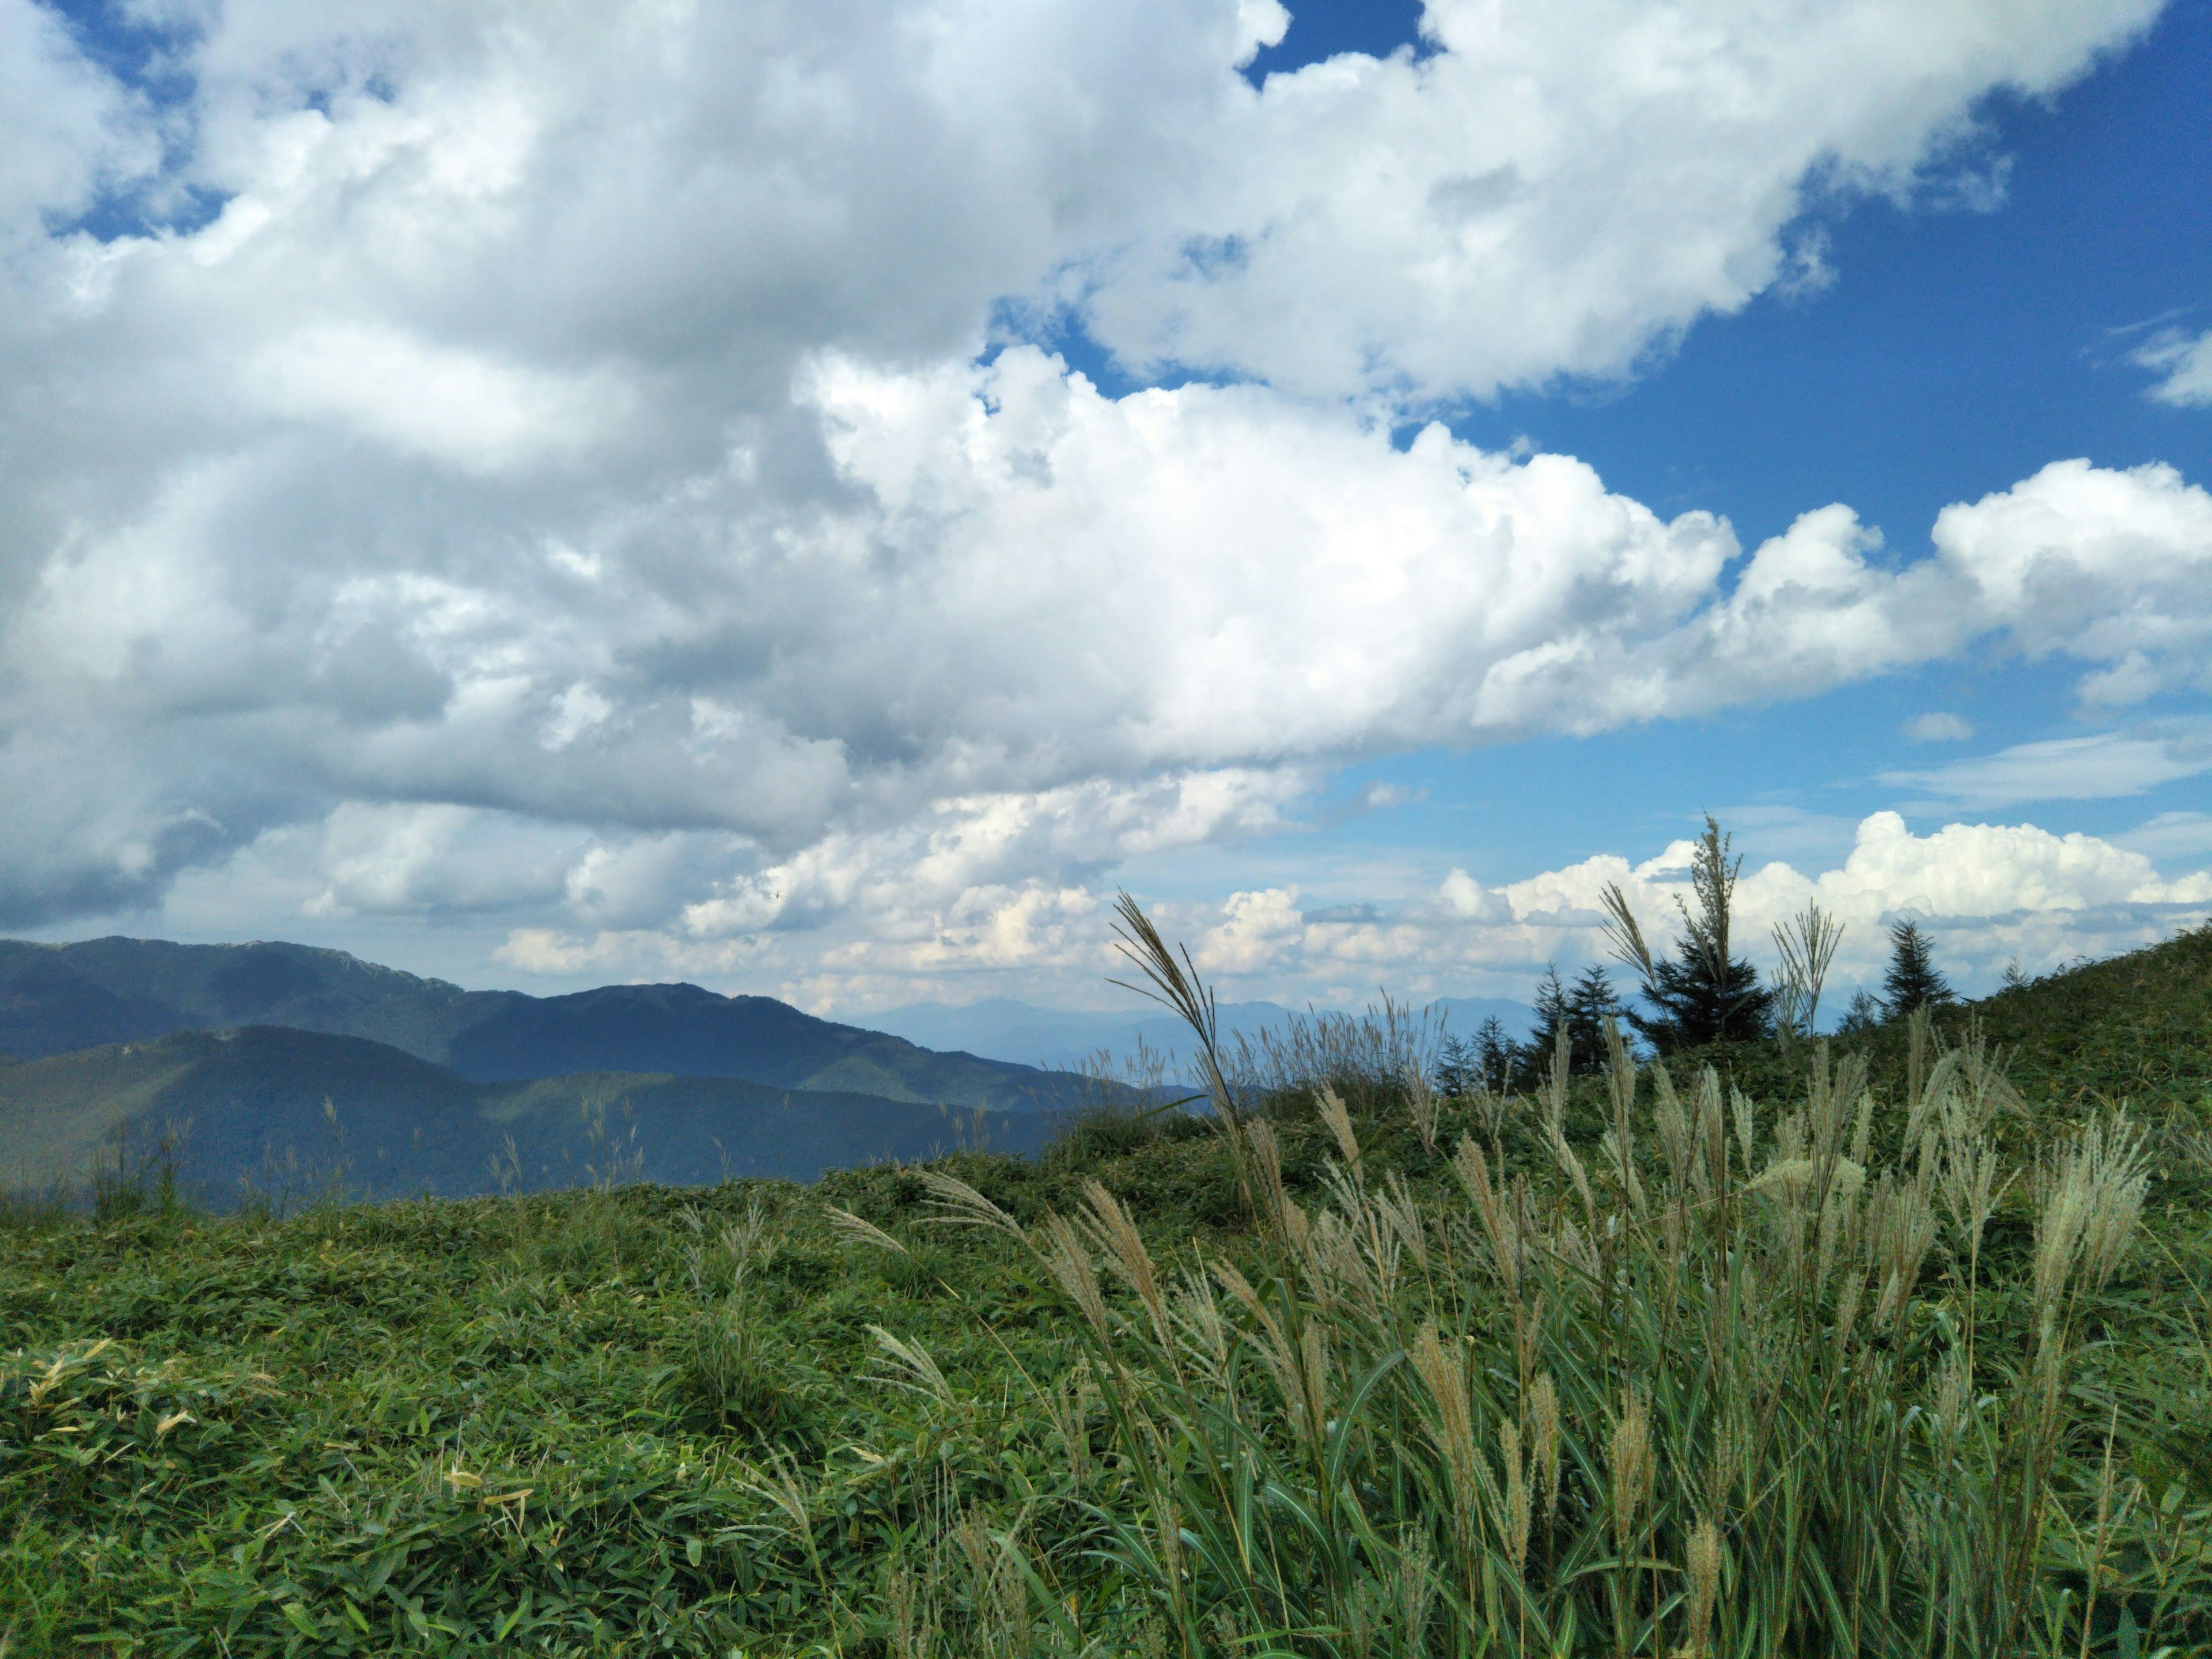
(2184, 365)
(565, 476)
(1988, 894)
(1557, 187)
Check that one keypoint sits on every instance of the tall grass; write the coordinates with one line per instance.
(124, 1177)
(1725, 1379)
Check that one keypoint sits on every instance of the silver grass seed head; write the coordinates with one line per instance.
(1544, 1431)
(1421, 1107)
(1746, 1114)
(958, 1202)
(1724, 1466)
(1848, 1298)
(1440, 1372)
(1338, 1120)
(912, 1357)
(1314, 1369)
(863, 1232)
(1704, 1565)
(1954, 1395)
(1108, 1226)
(2120, 1180)
(1514, 1522)
(1198, 1316)
(1405, 1216)
(1628, 1459)
(2064, 1213)
(1417, 1591)
(1070, 1264)
(1712, 1134)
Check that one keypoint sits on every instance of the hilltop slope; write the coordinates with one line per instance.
(58, 998)
(2137, 1027)
(2134, 1029)
(248, 1108)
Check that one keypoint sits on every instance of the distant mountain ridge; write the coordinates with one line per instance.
(55, 998)
(245, 1111)
(1004, 1028)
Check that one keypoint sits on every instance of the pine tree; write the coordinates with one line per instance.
(1703, 992)
(1498, 1058)
(1490, 1060)
(1693, 1006)
(1912, 979)
(1590, 1004)
(1863, 1016)
(1550, 1003)
(1455, 1071)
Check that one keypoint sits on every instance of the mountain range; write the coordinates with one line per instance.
(289, 1113)
(282, 1068)
(55, 998)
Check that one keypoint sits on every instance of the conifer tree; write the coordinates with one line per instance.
(1550, 1006)
(1590, 1004)
(1863, 1016)
(1703, 993)
(1498, 1058)
(1455, 1066)
(1912, 979)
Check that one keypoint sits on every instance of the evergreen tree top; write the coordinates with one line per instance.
(1912, 979)
(1703, 993)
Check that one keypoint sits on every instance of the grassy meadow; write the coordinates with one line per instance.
(1890, 1345)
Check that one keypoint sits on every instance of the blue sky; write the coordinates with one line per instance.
(1952, 350)
(814, 503)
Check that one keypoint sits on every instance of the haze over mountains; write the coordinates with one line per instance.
(291, 1114)
(57, 998)
(1006, 1029)
(296, 1067)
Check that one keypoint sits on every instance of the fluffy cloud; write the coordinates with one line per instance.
(2106, 567)
(1550, 189)
(1035, 594)
(71, 130)
(2110, 569)
(1251, 577)
(1989, 894)
(1558, 186)
(2184, 364)
(417, 860)
(561, 477)
(1255, 932)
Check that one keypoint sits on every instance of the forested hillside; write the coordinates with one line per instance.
(288, 1116)
(58, 998)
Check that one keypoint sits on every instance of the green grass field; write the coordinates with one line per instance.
(1918, 1366)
